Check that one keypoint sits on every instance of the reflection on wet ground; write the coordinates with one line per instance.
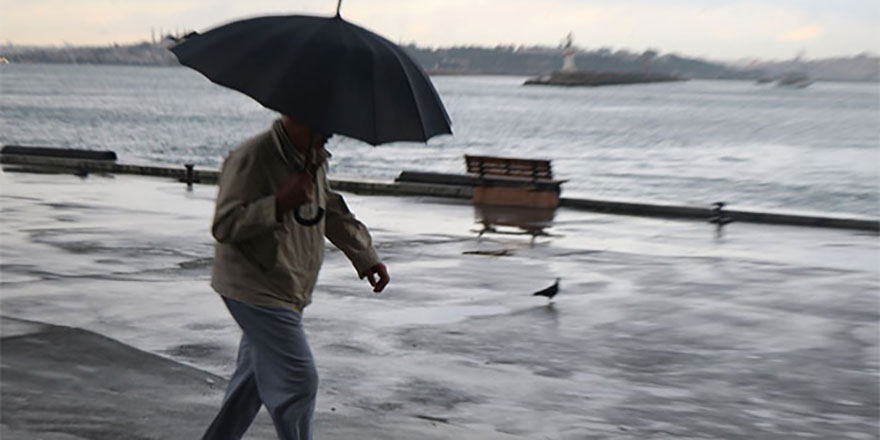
(532, 221)
(659, 329)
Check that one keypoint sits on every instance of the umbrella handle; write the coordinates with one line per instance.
(308, 221)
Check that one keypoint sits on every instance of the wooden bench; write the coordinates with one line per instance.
(508, 166)
(513, 182)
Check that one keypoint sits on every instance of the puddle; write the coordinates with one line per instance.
(435, 315)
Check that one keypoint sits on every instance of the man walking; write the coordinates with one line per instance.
(265, 268)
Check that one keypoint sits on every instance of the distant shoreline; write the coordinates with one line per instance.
(502, 60)
(430, 72)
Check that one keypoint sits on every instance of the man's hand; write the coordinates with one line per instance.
(383, 280)
(298, 190)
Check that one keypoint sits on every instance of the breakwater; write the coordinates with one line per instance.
(597, 79)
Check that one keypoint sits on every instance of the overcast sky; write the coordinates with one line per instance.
(717, 29)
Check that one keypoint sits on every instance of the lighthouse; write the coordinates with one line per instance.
(568, 54)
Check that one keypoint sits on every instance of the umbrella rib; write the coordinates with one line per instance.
(373, 89)
(292, 61)
(405, 60)
(412, 92)
(401, 61)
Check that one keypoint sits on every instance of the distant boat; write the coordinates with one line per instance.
(796, 80)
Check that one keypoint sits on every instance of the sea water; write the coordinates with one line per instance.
(695, 142)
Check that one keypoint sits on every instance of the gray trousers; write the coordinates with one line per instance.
(275, 368)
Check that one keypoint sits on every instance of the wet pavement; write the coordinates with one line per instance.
(661, 329)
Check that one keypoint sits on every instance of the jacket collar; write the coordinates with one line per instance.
(291, 156)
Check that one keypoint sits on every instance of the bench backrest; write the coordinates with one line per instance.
(508, 166)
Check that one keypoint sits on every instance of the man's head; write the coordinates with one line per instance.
(301, 135)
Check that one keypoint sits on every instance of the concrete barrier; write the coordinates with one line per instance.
(32, 163)
(690, 212)
(58, 152)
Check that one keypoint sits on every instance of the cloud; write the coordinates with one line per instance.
(802, 33)
(88, 21)
(712, 28)
(719, 28)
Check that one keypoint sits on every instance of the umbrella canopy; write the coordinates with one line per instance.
(336, 77)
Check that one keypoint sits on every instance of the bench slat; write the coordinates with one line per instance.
(509, 166)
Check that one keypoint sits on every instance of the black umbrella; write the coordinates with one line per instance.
(336, 77)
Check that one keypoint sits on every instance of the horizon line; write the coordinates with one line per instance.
(796, 57)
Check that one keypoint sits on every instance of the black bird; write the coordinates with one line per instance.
(549, 292)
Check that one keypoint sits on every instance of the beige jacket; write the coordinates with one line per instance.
(258, 260)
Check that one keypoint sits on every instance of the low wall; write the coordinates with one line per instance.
(42, 164)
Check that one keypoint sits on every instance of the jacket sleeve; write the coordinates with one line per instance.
(243, 210)
(347, 233)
